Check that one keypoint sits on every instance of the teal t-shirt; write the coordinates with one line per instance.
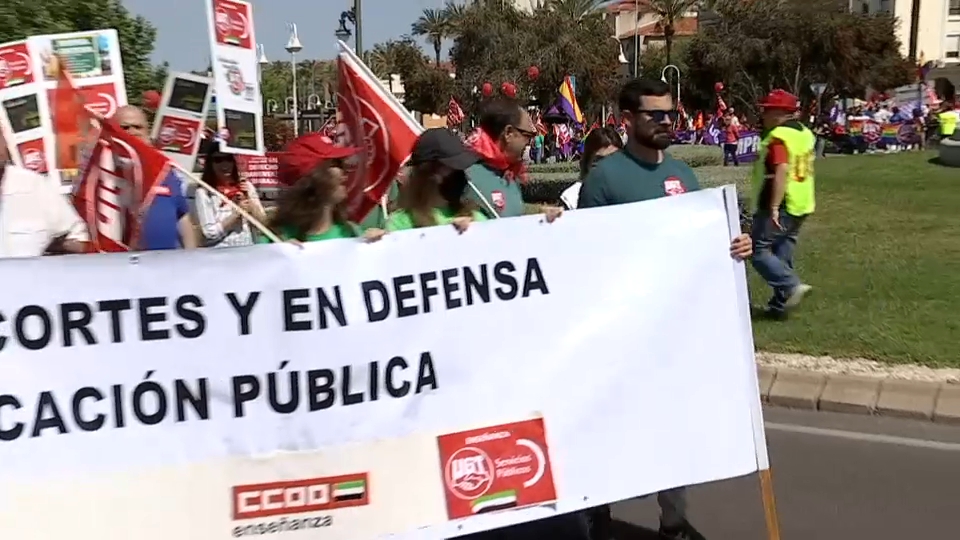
(401, 220)
(622, 178)
(503, 195)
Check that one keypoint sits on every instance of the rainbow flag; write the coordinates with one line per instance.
(568, 101)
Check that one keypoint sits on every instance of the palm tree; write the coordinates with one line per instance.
(576, 9)
(669, 12)
(455, 14)
(435, 26)
(382, 60)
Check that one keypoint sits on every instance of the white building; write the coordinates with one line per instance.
(937, 23)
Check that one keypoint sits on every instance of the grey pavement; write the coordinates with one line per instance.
(836, 477)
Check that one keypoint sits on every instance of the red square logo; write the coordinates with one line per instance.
(496, 468)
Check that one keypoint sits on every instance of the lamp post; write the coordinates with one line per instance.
(354, 16)
(261, 61)
(663, 77)
(293, 47)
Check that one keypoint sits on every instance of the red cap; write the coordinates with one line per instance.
(305, 153)
(780, 100)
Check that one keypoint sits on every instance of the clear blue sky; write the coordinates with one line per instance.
(182, 32)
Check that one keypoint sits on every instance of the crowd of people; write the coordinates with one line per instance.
(451, 182)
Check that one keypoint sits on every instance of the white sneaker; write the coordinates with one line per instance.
(797, 295)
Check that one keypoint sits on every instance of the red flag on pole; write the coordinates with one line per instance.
(117, 187)
(373, 120)
(455, 114)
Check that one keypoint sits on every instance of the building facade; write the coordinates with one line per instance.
(937, 24)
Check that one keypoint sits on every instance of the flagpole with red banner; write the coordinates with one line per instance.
(382, 127)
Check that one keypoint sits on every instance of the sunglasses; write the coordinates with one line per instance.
(222, 159)
(525, 132)
(659, 116)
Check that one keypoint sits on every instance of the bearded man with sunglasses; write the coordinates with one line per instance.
(642, 172)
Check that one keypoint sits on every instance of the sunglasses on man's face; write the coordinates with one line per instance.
(525, 132)
(659, 116)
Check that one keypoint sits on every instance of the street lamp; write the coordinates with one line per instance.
(354, 16)
(293, 47)
(261, 61)
(663, 77)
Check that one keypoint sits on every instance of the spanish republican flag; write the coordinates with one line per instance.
(568, 101)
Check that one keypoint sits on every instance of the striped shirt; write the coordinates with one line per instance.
(213, 213)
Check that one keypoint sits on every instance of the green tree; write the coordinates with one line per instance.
(427, 88)
(498, 44)
(22, 18)
(434, 24)
(669, 13)
(756, 46)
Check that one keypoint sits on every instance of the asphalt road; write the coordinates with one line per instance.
(836, 477)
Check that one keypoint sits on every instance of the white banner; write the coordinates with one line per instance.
(233, 48)
(178, 126)
(429, 385)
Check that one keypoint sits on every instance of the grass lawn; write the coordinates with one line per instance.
(883, 253)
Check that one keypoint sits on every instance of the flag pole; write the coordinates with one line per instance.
(236, 207)
(405, 114)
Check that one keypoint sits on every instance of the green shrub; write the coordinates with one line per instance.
(694, 155)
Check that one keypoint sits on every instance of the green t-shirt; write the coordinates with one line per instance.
(622, 178)
(377, 218)
(503, 195)
(402, 221)
(336, 231)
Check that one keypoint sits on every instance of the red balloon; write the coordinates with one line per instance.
(718, 87)
(486, 89)
(151, 99)
(533, 72)
(508, 89)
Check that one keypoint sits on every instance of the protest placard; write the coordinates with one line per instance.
(233, 50)
(24, 115)
(93, 61)
(181, 117)
(429, 385)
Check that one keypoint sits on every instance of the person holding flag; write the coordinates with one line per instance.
(313, 207)
(433, 193)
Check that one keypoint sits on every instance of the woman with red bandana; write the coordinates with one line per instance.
(312, 208)
(506, 129)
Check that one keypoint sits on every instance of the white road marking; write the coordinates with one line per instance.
(865, 437)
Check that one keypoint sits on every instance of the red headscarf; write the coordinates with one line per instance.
(491, 154)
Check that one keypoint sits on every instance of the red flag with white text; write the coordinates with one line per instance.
(373, 120)
(455, 114)
(117, 187)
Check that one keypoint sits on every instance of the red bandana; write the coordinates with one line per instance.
(491, 154)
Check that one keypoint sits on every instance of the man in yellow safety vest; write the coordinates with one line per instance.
(948, 118)
(783, 196)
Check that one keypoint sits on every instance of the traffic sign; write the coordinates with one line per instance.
(818, 88)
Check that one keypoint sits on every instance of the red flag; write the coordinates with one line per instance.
(455, 114)
(70, 120)
(375, 121)
(611, 120)
(117, 187)
(541, 127)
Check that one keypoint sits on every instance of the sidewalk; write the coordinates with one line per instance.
(860, 386)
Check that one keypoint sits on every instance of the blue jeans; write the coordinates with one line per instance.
(773, 250)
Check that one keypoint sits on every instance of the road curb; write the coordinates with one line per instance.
(799, 389)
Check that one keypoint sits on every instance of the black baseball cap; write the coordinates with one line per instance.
(442, 145)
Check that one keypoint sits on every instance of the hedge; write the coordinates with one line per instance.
(546, 187)
(692, 155)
